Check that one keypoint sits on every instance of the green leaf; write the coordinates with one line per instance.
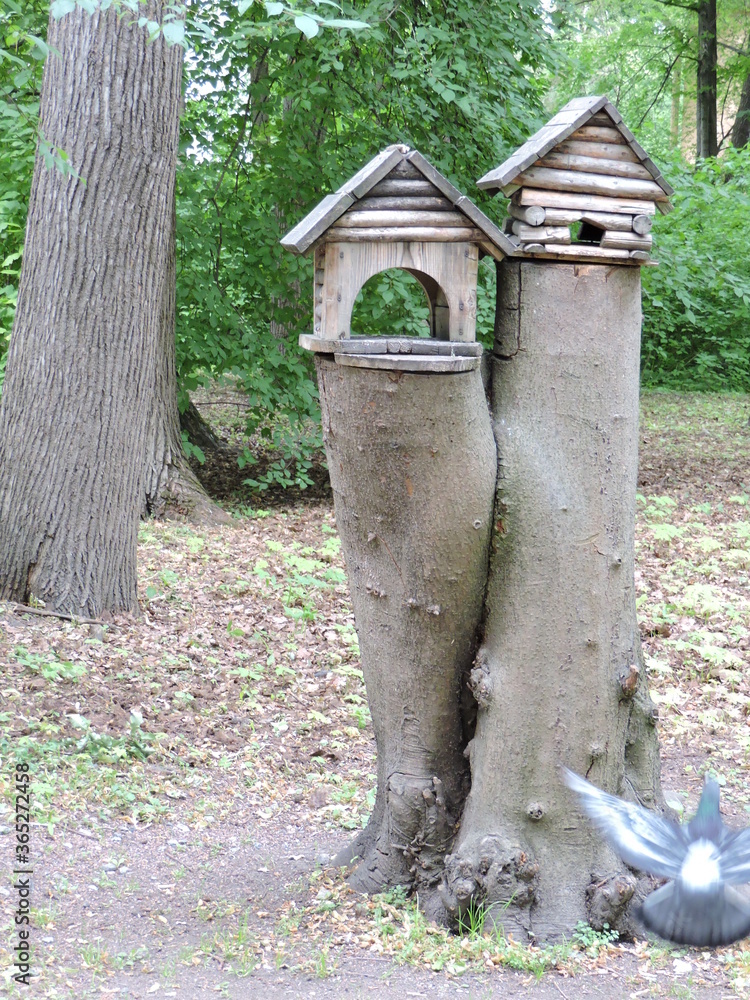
(274, 9)
(307, 25)
(244, 5)
(174, 32)
(338, 22)
(59, 8)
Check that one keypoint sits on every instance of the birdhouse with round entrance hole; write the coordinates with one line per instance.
(581, 189)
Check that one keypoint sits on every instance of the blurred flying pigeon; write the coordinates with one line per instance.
(704, 859)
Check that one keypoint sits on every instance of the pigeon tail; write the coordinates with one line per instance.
(703, 920)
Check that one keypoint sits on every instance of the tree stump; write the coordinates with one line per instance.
(413, 469)
(559, 677)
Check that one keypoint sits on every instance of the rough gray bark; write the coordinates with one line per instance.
(559, 677)
(199, 432)
(171, 488)
(413, 469)
(741, 128)
(80, 367)
(707, 139)
(675, 129)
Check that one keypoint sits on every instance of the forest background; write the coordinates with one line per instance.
(283, 103)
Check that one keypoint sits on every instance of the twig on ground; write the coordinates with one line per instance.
(24, 609)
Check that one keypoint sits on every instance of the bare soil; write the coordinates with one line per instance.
(196, 767)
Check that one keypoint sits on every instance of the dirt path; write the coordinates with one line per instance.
(197, 914)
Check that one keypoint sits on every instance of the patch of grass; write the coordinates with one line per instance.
(129, 959)
(472, 921)
(48, 666)
(72, 776)
(322, 965)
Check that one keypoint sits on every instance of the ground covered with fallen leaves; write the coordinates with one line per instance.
(194, 768)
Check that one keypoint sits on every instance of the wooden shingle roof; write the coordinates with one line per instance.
(398, 169)
(590, 112)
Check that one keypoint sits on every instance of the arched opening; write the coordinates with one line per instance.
(397, 303)
(487, 278)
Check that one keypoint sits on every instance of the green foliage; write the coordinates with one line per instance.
(48, 666)
(102, 747)
(192, 450)
(22, 51)
(394, 303)
(632, 51)
(696, 320)
(391, 302)
(279, 112)
(591, 941)
(696, 325)
(642, 54)
(275, 120)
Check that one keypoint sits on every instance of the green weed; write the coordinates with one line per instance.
(48, 666)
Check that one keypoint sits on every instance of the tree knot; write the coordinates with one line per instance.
(629, 680)
(607, 899)
(480, 681)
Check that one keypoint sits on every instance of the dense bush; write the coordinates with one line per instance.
(21, 58)
(696, 304)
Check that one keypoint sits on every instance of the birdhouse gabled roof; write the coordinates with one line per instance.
(404, 166)
(580, 113)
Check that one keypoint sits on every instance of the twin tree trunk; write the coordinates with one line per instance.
(502, 570)
(170, 487)
(88, 414)
(707, 143)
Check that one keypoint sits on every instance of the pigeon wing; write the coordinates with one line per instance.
(734, 857)
(644, 840)
(703, 920)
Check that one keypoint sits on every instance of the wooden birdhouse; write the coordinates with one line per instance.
(397, 212)
(582, 188)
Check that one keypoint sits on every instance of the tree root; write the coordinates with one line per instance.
(179, 496)
(492, 872)
(406, 842)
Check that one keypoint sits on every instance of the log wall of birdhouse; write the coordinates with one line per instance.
(595, 181)
(404, 206)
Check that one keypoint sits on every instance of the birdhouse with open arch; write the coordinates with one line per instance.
(397, 212)
(582, 188)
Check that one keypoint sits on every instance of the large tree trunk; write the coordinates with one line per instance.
(559, 677)
(741, 129)
(412, 465)
(80, 371)
(675, 129)
(707, 140)
(171, 488)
